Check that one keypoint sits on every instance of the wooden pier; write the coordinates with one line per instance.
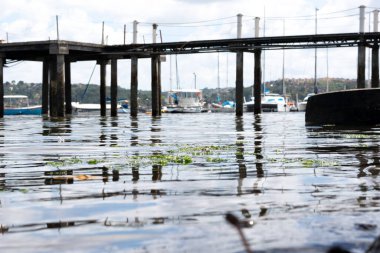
(57, 56)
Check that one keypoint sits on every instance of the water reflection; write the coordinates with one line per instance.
(114, 194)
(239, 127)
(113, 137)
(134, 131)
(156, 140)
(59, 127)
(103, 129)
(258, 152)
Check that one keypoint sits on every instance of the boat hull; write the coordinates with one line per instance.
(359, 107)
(184, 110)
(33, 110)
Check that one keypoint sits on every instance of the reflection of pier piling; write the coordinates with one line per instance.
(57, 57)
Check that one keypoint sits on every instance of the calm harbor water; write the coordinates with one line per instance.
(93, 184)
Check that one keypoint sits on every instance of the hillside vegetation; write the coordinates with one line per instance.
(294, 88)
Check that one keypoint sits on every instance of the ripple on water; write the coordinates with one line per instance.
(95, 184)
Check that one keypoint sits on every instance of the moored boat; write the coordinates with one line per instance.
(185, 101)
(302, 105)
(88, 107)
(19, 105)
(270, 102)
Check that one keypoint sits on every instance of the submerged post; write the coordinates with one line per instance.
(68, 107)
(239, 96)
(159, 85)
(45, 86)
(361, 53)
(102, 91)
(257, 83)
(2, 85)
(114, 87)
(155, 85)
(375, 53)
(134, 76)
(57, 79)
(60, 85)
(134, 86)
(53, 87)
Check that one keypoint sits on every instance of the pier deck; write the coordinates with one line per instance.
(57, 55)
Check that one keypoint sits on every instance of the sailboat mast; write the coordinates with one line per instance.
(218, 98)
(315, 55)
(176, 72)
(283, 62)
(170, 73)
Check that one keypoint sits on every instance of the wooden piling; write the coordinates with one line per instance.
(361, 67)
(134, 87)
(257, 82)
(239, 95)
(375, 65)
(114, 87)
(154, 86)
(103, 73)
(159, 85)
(57, 78)
(68, 99)
(53, 87)
(45, 86)
(1, 86)
(60, 99)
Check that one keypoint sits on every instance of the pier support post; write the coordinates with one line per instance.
(103, 73)
(257, 82)
(239, 96)
(68, 99)
(375, 52)
(134, 87)
(159, 85)
(45, 86)
(53, 88)
(155, 85)
(114, 87)
(57, 79)
(361, 51)
(2, 58)
(361, 67)
(375, 65)
(60, 85)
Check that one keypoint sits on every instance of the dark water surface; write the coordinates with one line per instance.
(92, 184)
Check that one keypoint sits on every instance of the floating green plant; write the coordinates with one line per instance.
(308, 163)
(94, 161)
(216, 160)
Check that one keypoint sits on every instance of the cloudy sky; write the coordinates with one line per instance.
(183, 20)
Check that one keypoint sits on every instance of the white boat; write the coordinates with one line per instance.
(19, 105)
(87, 107)
(184, 101)
(302, 105)
(270, 102)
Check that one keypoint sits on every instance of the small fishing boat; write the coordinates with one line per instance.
(19, 105)
(185, 101)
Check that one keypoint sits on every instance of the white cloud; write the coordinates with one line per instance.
(82, 21)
